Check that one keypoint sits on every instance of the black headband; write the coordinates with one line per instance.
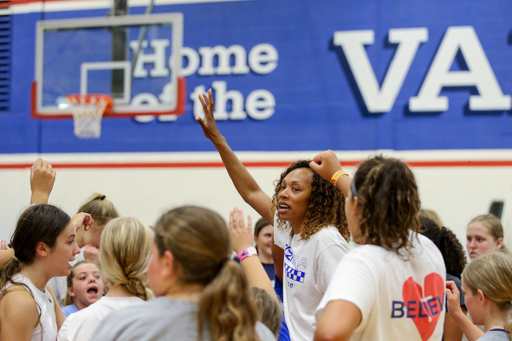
(353, 188)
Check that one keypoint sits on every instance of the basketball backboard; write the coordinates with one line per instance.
(130, 58)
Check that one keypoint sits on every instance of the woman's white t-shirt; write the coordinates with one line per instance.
(307, 271)
(46, 308)
(81, 325)
(398, 299)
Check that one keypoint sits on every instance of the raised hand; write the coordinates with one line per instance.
(42, 178)
(453, 298)
(209, 126)
(4, 245)
(82, 219)
(325, 164)
(92, 253)
(242, 236)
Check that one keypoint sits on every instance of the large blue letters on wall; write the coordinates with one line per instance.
(307, 75)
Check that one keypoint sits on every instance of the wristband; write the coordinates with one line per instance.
(250, 251)
(336, 176)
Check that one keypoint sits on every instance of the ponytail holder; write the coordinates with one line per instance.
(103, 197)
(222, 262)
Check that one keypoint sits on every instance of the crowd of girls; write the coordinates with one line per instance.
(119, 279)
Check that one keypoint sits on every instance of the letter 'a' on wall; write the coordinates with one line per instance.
(480, 75)
(408, 40)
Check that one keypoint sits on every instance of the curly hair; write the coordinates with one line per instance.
(446, 241)
(326, 205)
(388, 195)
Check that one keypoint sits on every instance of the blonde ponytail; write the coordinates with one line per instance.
(124, 254)
(101, 209)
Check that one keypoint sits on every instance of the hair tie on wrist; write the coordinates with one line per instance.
(103, 197)
(250, 251)
(336, 176)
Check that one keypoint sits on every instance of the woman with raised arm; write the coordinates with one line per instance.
(390, 287)
(201, 293)
(309, 225)
(43, 244)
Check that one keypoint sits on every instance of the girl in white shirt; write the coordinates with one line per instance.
(390, 287)
(43, 244)
(124, 256)
(310, 228)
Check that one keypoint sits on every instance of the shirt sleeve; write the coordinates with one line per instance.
(79, 326)
(327, 263)
(280, 235)
(63, 331)
(353, 281)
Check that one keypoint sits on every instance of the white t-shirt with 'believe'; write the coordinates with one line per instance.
(398, 299)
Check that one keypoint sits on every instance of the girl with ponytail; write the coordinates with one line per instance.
(201, 293)
(390, 287)
(487, 288)
(43, 244)
(124, 256)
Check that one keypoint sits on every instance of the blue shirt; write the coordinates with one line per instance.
(70, 309)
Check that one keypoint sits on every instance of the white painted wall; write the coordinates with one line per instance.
(456, 193)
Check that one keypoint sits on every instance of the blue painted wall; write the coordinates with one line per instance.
(318, 103)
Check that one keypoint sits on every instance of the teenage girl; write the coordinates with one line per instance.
(484, 235)
(390, 287)
(309, 225)
(201, 293)
(487, 287)
(85, 286)
(124, 256)
(102, 210)
(43, 244)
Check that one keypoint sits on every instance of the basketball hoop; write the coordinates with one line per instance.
(87, 113)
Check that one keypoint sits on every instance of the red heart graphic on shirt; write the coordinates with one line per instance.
(425, 315)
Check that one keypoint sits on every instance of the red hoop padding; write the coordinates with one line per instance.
(91, 99)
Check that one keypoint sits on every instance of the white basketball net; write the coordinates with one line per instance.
(87, 116)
